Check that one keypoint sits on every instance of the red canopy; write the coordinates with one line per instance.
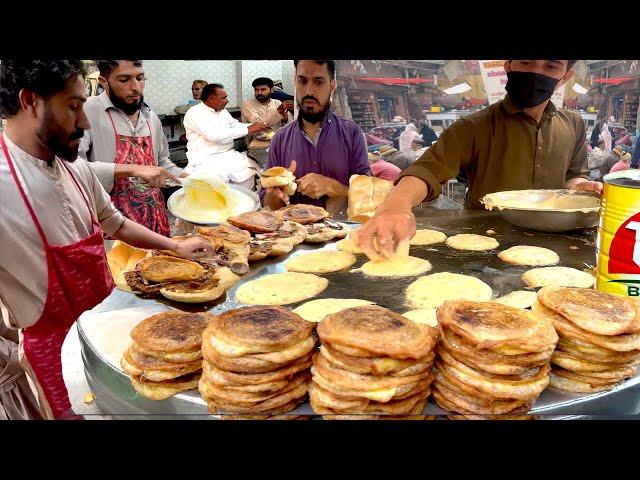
(397, 81)
(613, 80)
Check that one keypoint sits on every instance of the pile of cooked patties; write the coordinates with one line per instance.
(164, 357)
(275, 233)
(372, 363)
(256, 362)
(165, 274)
(599, 344)
(491, 359)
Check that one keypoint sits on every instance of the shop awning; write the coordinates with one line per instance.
(613, 80)
(397, 81)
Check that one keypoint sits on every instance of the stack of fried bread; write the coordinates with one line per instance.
(256, 361)
(279, 177)
(164, 357)
(599, 344)
(372, 362)
(270, 235)
(491, 359)
(318, 226)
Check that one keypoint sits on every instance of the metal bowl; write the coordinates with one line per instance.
(175, 195)
(533, 209)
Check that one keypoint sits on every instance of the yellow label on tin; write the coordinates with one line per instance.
(618, 245)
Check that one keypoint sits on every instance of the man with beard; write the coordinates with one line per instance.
(52, 261)
(127, 147)
(265, 109)
(521, 142)
(327, 148)
(211, 131)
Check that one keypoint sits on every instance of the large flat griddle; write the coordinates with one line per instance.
(115, 395)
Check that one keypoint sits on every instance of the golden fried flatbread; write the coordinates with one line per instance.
(529, 255)
(518, 299)
(136, 364)
(171, 331)
(379, 331)
(490, 325)
(165, 268)
(427, 237)
(470, 241)
(571, 362)
(262, 221)
(271, 405)
(259, 362)
(433, 290)
(509, 389)
(323, 261)
(362, 382)
(302, 213)
(165, 389)
(247, 399)
(557, 277)
(596, 312)
(215, 377)
(281, 289)
(576, 386)
(503, 368)
(178, 356)
(265, 329)
(371, 365)
(619, 343)
(216, 281)
(247, 378)
(474, 405)
(590, 352)
(316, 310)
(382, 395)
(325, 231)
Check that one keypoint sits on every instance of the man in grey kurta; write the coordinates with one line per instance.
(126, 140)
(98, 145)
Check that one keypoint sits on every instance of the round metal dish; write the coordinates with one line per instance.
(580, 209)
(178, 193)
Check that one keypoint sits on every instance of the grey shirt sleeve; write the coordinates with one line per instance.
(103, 170)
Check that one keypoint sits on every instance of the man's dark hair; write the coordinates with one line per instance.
(43, 77)
(262, 81)
(108, 66)
(570, 64)
(209, 90)
(331, 65)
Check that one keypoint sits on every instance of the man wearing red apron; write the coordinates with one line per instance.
(126, 145)
(53, 265)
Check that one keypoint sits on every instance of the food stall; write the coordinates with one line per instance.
(101, 334)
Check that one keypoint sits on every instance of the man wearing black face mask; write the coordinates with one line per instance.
(521, 142)
(127, 140)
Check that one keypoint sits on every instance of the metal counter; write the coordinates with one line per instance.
(116, 397)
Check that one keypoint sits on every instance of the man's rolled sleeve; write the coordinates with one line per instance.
(444, 159)
(105, 172)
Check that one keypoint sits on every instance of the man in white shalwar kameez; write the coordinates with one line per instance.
(211, 131)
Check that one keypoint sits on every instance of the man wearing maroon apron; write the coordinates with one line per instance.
(127, 147)
(53, 265)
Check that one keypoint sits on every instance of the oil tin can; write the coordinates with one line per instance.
(618, 240)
